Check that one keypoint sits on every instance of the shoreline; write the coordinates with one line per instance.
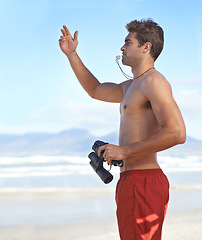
(82, 214)
(184, 225)
(87, 214)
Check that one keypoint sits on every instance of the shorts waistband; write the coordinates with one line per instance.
(142, 172)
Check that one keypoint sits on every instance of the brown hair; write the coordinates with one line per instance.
(148, 31)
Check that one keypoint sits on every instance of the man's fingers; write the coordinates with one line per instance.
(101, 148)
(76, 35)
(66, 30)
(61, 39)
(108, 159)
(104, 155)
(63, 32)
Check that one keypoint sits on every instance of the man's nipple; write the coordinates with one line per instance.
(124, 107)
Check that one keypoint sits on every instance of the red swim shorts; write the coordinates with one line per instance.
(142, 199)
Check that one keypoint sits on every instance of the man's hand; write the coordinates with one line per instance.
(67, 43)
(112, 152)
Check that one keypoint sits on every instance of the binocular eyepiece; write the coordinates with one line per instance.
(97, 163)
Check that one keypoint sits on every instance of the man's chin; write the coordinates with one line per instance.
(124, 62)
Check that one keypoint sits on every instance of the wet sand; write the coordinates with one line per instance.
(43, 217)
(178, 226)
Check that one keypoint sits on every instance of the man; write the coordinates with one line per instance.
(150, 122)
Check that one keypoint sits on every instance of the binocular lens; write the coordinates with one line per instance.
(97, 164)
(105, 175)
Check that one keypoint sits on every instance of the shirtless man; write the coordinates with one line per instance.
(150, 122)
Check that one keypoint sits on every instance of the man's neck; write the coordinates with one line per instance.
(140, 68)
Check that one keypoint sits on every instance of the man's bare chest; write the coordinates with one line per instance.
(134, 100)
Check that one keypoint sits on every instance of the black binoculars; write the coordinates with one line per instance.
(97, 162)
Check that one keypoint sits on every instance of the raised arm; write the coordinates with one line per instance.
(109, 92)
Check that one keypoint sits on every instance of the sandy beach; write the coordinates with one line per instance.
(47, 206)
(178, 226)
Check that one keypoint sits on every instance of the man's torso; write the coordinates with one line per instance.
(138, 123)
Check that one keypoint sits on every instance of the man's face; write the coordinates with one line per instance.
(131, 52)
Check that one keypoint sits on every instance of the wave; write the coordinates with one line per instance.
(46, 166)
(189, 163)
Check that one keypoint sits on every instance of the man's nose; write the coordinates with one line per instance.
(122, 48)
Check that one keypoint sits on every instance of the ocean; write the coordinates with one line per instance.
(45, 190)
(75, 172)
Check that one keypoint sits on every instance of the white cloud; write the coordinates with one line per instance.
(190, 102)
(99, 117)
(190, 80)
(96, 116)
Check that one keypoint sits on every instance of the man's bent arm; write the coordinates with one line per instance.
(161, 140)
(172, 128)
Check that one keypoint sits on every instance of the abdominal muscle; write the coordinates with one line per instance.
(135, 129)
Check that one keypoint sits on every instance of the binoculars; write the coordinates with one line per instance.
(97, 163)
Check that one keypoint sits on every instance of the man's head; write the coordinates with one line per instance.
(147, 32)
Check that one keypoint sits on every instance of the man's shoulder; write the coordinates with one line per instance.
(156, 84)
(126, 84)
(155, 80)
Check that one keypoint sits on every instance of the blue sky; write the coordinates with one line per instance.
(38, 90)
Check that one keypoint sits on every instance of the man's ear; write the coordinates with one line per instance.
(147, 47)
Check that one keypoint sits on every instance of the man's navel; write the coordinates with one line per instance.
(148, 105)
(124, 107)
